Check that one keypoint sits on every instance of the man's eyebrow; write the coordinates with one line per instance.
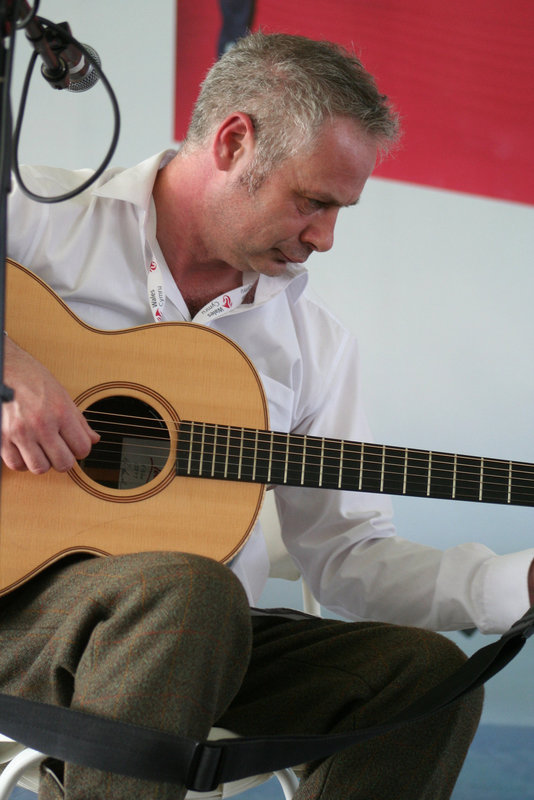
(331, 201)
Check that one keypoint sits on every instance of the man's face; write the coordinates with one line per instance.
(294, 211)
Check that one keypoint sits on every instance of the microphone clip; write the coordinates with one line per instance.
(52, 45)
(67, 64)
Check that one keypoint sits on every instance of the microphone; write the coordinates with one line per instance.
(67, 64)
(77, 73)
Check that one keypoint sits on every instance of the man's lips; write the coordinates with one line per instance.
(299, 258)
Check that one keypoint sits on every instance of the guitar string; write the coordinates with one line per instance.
(520, 495)
(393, 452)
(463, 481)
(502, 466)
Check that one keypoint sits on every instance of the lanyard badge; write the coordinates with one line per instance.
(156, 290)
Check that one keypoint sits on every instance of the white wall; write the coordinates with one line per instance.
(439, 287)
(135, 41)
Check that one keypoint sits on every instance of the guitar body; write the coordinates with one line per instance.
(176, 371)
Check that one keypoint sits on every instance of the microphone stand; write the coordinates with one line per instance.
(16, 14)
(9, 19)
(7, 23)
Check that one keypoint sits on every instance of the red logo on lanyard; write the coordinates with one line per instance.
(226, 301)
(153, 266)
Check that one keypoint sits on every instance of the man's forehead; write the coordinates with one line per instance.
(335, 168)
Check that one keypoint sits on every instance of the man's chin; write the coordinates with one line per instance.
(270, 265)
(277, 268)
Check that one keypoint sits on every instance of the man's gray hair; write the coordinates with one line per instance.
(289, 86)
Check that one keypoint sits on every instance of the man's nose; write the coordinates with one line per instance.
(319, 232)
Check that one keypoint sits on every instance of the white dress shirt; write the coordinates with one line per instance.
(95, 252)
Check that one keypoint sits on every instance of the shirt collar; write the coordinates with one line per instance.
(135, 184)
(293, 282)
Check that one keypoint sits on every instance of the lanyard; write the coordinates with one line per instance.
(223, 304)
(215, 308)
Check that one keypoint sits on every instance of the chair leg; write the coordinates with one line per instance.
(288, 781)
(15, 770)
(29, 758)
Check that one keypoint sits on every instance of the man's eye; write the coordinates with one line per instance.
(308, 205)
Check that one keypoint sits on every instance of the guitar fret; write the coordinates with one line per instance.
(360, 481)
(227, 454)
(255, 456)
(270, 459)
(467, 481)
(312, 473)
(262, 471)
(293, 448)
(240, 470)
(417, 473)
(371, 467)
(202, 441)
(218, 463)
(215, 435)
(303, 470)
(334, 463)
(405, 473)
(183, 448)
(429, 480)
(455, 473)
(190, 449)
(509, 497)
(525, 484)
(321, 468)
(341, 453)
(286, 450)
(495, 481)
(393, 471)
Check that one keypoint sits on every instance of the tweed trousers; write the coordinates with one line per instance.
(166, 640)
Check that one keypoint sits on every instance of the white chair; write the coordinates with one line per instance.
(23, 770)
(23, 763)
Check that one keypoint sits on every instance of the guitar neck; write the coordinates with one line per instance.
(207, 450)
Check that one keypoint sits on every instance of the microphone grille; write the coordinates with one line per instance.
(80, 83)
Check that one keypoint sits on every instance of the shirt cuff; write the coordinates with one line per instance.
(505, 590)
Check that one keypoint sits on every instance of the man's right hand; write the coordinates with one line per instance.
(41, 427)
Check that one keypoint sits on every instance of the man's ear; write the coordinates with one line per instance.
(233, 141)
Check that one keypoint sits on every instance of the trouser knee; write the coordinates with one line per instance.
(434, 658)
(199, 590)
(394, 666)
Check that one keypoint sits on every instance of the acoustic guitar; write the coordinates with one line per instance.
(185, 452)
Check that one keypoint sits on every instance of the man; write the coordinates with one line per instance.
(286, 132)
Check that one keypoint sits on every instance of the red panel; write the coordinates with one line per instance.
(198, 23)
(461, 74)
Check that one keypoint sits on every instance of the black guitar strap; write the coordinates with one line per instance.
(140, 752)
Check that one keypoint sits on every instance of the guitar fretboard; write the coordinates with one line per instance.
(208, 450)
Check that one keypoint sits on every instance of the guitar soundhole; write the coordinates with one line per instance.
(134, 443)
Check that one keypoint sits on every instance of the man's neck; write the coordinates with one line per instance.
(199, 278)
(199, 289)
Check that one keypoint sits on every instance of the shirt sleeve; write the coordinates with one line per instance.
(357, 566)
